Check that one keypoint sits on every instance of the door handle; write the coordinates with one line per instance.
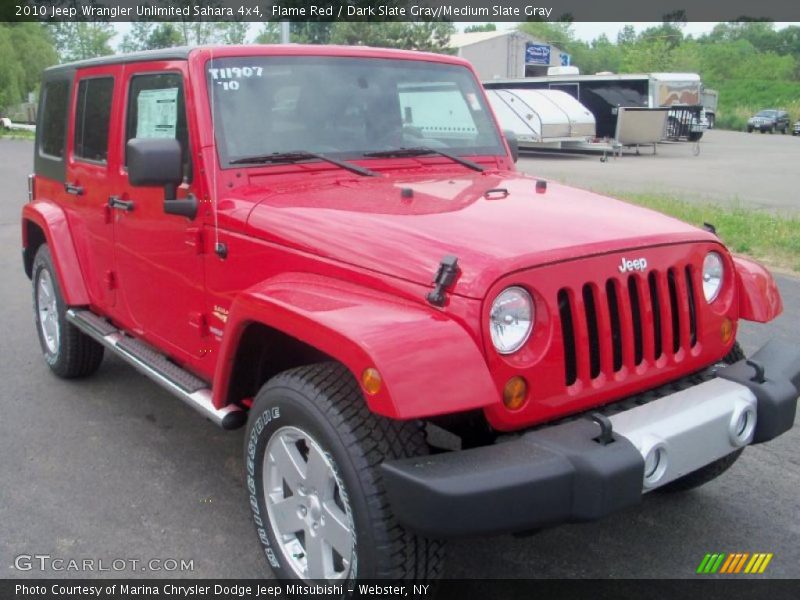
(74, 189)
(119, 203)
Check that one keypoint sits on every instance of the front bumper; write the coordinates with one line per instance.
(565, 472)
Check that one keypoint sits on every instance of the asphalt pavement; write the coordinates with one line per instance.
(112, 468)
(733, 168)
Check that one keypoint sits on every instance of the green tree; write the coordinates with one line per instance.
(232, 32)
(428, 35)
(148, 35)
(596, 56)
(557, 33)
(138, 37)
(81, 40)
(11, 71)
(165, 35)
(481, 27)
(33, 48)
(626, 36)
(270, 33)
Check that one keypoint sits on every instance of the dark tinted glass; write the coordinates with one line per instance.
(54, 120)
(92, 117)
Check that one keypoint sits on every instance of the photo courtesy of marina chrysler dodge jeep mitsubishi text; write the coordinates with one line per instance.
(331, 246)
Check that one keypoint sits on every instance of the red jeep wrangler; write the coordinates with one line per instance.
(332, 245)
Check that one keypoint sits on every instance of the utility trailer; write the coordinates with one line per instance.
(555, 120)
(542, 117)
(603, 94)
(710, 100)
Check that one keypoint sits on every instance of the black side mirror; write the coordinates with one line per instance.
(159, 162)
(513, 144)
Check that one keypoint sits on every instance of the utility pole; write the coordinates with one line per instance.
(285, 32)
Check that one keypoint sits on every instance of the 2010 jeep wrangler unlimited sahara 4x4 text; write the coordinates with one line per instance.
(332, 245)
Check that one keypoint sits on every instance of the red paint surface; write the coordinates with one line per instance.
(343, 263)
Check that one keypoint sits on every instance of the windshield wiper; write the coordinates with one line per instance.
(299, 155)
(421, 151)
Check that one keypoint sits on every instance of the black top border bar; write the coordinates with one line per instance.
(399, 10)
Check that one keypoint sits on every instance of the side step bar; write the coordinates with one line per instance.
(157, 367)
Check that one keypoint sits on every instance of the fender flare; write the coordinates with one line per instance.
(52, 220)
(759, 297)
(429, 364)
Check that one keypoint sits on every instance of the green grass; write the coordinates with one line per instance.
(16, 134)
(741, 99)
(771, 238)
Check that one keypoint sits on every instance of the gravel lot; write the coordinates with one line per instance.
(114, 468)
(761, 171)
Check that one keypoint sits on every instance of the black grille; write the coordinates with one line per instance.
(643, 317)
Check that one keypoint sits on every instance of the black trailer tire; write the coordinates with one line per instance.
(320, 411)
(718, 467)
(68, 352)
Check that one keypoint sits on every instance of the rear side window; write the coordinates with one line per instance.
(54, 119)
(92, 117)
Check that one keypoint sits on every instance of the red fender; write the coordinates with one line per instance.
(52, 220)
(428, 363)
(759, 298)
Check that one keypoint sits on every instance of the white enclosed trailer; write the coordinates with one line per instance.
(542, 116)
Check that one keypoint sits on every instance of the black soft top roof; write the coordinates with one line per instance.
(179, 53)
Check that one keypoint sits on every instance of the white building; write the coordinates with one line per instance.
(507, 54)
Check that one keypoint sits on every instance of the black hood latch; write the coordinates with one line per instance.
(445, 276)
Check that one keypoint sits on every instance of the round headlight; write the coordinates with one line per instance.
(713, 271)
(511, 319)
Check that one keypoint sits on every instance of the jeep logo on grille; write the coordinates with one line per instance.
(637, 264)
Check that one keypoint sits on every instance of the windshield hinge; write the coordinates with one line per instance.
(445, 276)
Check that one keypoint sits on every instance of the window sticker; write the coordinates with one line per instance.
(157, 113)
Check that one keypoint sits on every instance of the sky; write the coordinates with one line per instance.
(589, 31)
(583, 31)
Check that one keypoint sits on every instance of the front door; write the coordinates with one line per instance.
(159, 267)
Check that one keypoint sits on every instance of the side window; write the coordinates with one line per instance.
(157, 109)
(54, 119)
(92, 116)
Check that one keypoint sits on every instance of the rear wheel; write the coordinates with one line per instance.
(68, 352)
(718, 467)
(313, 454)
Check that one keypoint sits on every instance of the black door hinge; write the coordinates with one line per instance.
(445, 276)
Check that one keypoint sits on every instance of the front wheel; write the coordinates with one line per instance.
(313, 452)
(68, 351)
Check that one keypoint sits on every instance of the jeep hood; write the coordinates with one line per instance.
(494, 222)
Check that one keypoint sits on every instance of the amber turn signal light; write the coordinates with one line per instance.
(726, 331)
(371, 380)
(515, 393)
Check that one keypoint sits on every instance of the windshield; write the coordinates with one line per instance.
(766, 113)
(346, 107)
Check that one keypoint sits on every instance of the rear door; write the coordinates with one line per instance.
(91, 163)
(158, 256)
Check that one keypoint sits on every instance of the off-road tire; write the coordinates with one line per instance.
(718, 467)
(76, 354)
(326, 401)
